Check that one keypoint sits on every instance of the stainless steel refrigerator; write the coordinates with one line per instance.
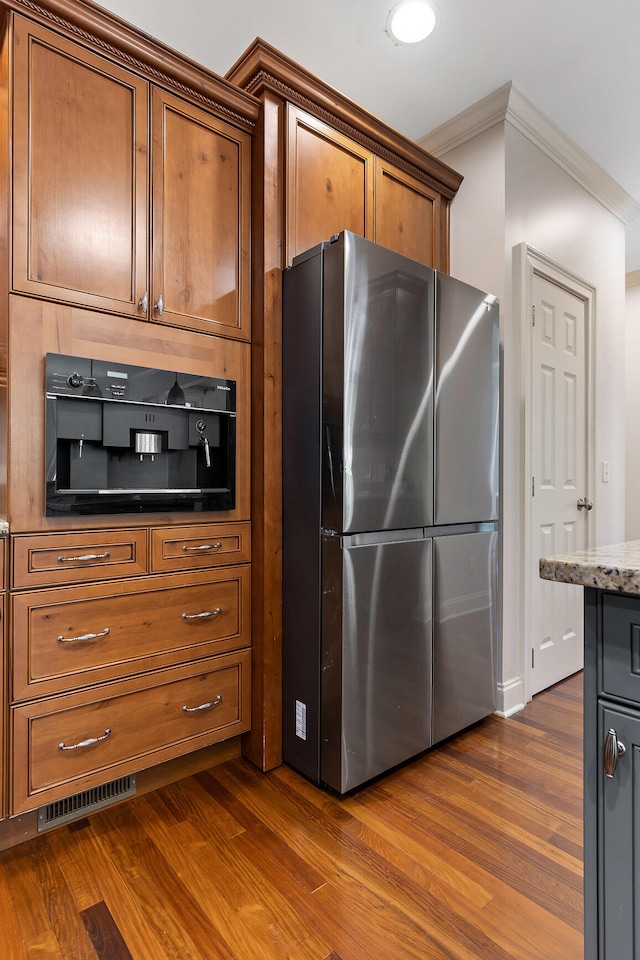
(390, 508)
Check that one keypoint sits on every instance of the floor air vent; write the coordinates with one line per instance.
(82, 804)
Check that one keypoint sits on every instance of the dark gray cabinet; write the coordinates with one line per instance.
(612, 776)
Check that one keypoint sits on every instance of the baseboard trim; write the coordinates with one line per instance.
(510, 697)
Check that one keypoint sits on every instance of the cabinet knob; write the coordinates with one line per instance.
(159, 306)
(613, 748)
(143, 303)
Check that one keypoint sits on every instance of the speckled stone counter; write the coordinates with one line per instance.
(4, 527)
(614, 567)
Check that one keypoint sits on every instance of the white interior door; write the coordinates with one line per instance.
(559, 475)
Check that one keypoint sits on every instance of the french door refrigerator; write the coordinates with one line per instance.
(390, 507)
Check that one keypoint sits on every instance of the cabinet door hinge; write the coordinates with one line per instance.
(533, 658)
(533, 316)
(533, 486)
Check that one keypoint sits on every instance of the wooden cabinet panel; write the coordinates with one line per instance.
(201, 220)
(82, 196)
(80, 174)
(177, 710)
(407, 214)
(330, 184)
(200, 545)
(66, 638)
(61, 558)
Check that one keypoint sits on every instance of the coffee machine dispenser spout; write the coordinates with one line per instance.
(201, 427)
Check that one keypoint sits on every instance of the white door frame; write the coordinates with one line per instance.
(527, 262)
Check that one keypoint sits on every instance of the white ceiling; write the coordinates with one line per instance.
(578, 61)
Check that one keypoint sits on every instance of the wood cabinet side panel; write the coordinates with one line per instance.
(262, 745)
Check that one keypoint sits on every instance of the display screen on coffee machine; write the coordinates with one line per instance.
(128, 439)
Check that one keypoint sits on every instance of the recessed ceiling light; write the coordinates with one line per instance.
(411, 21)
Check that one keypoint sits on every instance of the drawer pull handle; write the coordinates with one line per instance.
(200, 616)
(85, 636)
(85, 743)
(204, 706)
(613, 748)
(86, 556)
(204, 546)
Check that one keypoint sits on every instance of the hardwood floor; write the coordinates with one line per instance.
(471, 852)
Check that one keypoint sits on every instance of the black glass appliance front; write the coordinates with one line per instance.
(128, 439)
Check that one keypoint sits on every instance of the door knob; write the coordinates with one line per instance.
(586, 503)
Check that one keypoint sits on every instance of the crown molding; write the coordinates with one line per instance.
(511, 105)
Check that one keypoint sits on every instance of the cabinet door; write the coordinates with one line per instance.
(80, 183)
(329, 184)
(201, 220)
(619, 876)
(408, 215)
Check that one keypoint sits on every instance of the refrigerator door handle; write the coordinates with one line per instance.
(330, 459)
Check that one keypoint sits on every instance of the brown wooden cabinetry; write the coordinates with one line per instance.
(330, 186)
(120, 653)
(411, 216)
(3, 658)
(335, 183)
(340, 169)
(126, 198)
(125, 172)
(70, 743)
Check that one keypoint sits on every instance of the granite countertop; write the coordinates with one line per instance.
(4, 527)
(614, 567)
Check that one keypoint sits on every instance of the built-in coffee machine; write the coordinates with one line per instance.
(128, 439)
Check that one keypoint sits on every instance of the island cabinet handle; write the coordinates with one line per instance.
(85, 636)
(203, 706)
(85, 743)
(202, 547)
(205, 613)
(613, 748)
(86, 556)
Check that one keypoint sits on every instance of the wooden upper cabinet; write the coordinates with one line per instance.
(201, 219)
(126, 198)
(330, 184)
(408, 215)
(80, 183)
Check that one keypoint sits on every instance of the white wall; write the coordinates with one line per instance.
(547, 209)
(632, 380)
(514, 193)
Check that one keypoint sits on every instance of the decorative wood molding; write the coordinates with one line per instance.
(116, 39)
(263, 69)
(510, 104)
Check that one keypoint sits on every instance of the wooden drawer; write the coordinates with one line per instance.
(127, 730)
(199, 545)
(43, 559)
(66, 638)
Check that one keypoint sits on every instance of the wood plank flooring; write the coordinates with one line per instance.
(471, 852)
